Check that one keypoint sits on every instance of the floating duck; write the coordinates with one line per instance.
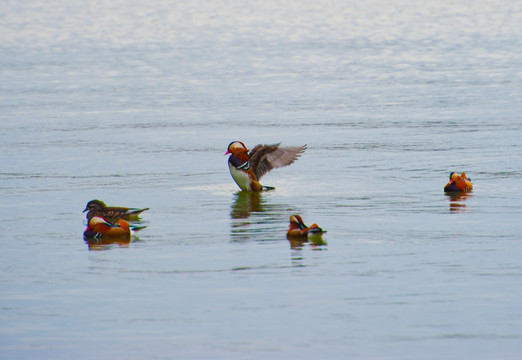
(99, 229)
(112, 213)
(458, 182)
(298, 229)
(247, 167)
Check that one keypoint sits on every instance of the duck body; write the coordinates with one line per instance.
(243, 175)
(299, 230)
(113, 213)
(248, 166)
(100, 229)
(458, 183)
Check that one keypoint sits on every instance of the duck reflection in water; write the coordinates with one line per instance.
(255, 218)
(245, 204)
(457, 200)
(105, 244)
(316, 243)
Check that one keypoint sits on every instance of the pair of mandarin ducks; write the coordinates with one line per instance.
(108, 223)
(248, 166)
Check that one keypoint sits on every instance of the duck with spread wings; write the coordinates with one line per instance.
(247, 167)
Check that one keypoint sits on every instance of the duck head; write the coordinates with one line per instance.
(95, 205)
(236, 147)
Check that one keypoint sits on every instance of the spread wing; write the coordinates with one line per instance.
(264, 158)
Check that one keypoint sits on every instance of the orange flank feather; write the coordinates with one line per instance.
(124, 225)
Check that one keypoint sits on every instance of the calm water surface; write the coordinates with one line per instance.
(135, 103)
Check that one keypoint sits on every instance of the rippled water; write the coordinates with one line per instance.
(135, 103)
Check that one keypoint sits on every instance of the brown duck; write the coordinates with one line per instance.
(111, 213)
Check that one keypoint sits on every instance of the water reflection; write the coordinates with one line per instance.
(245, 204)
(254, 218)
(105, 244)
(457, 200)
(297, 246)
(317, 243)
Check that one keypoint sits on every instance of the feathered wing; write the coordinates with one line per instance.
(264, 158)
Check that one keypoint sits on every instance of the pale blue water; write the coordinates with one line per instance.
(135, 103)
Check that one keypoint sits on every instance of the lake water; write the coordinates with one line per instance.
(135, 103)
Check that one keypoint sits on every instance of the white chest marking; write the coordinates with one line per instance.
(240, 177)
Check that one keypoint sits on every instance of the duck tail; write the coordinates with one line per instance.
(135, 212)
(137, 227)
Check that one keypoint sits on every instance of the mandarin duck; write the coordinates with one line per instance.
(112, 213)
(298, 229)
(101, 230)
(458, 182)
(247, 167)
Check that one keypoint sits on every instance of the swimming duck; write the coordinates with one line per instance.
(247, 167)
(112, 213)
(100, 229)
(298, 229)
(458, 182)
